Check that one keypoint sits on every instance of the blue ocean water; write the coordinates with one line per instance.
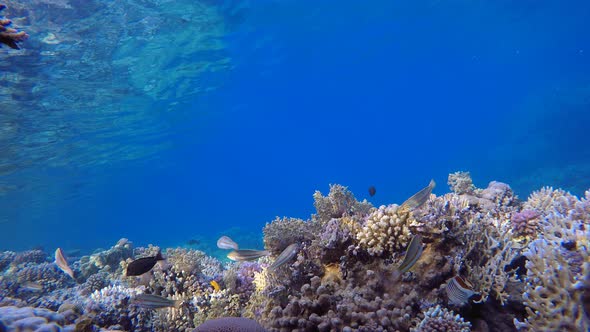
(165, 121)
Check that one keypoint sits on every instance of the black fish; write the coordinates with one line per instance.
(193, 242)
(143, 265)
(372, 191)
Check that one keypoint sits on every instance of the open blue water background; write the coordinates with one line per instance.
(230, 113)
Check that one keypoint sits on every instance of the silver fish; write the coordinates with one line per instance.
(419, 198)
(225, 242)
(32, 286)
(412, 254)
(285, 256)
(151, 301)
(246, 255)
(61, 262)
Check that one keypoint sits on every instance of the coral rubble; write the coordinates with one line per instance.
(490, 262)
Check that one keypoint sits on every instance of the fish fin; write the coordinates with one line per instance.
(159, 256)
(177, 303)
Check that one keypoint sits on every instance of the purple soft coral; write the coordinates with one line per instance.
(525, 222)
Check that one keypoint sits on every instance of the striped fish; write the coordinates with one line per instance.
(419, 198)
(412, 254)
(151, 301)
(61, 262)
(459, 290)
(225, 242)
(246, 255)
(285, 256)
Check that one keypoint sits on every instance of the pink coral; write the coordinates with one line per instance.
(525, 222)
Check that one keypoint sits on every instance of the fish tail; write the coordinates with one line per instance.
(159, 256)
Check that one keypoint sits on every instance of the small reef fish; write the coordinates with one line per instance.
(151, 301)
(32, 286)
(192, 242)
(372, 191)
(419, 198)
(215, 285)
(459, 290)
(143, 265)
(243, 255)
(62, 263)
(412, 254)
(225, 242)
(285, 256)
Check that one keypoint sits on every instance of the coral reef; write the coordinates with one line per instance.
(106, 261)
(558, 265)
(461, 183)
(6, 257)
(10, 36)
(489, 262)
(386, 230)
(281, 232)
(230, 324)
(437, 319)
(339, 202)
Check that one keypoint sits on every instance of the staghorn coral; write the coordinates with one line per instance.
(558, 266)
(438, 319)
(10, 36)
(281, 232)
(461, 183)
(339, 202)
(489, 251)
(386, 230)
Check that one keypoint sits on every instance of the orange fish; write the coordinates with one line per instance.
(215, 285)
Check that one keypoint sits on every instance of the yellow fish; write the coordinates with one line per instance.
(215, 286)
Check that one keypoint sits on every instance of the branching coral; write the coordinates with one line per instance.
(558, 266)
(282, 232)
(339, 202)
(489, 251)
(10, 36)
(437, 319)
(461, 183)
(386, 230)
(193, 261)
